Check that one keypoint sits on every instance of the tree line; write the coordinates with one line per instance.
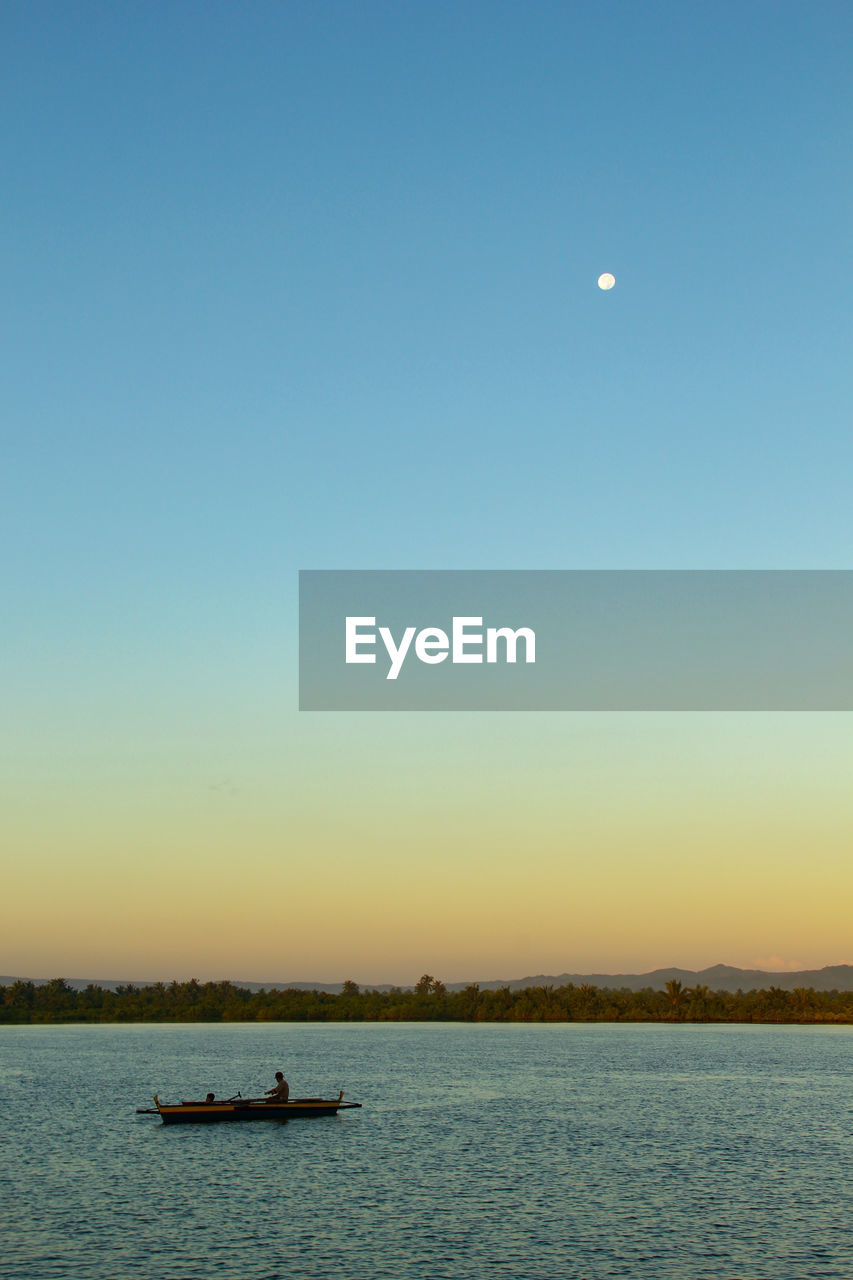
(429, 1001)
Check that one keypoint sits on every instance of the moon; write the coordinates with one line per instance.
(606, 280)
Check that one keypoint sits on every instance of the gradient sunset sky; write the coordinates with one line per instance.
(314, 286)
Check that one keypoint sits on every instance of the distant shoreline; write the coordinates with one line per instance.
(56, 1001)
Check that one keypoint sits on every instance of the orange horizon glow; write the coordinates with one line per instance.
(478, 849)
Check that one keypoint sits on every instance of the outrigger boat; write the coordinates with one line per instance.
(245, 1109)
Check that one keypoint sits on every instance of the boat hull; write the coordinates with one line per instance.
(230, 1112)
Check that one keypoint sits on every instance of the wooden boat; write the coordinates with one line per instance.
(246, 1109)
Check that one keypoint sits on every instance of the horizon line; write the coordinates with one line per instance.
(320, 983)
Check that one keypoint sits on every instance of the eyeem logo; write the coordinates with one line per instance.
(433, 645)
(591, 640)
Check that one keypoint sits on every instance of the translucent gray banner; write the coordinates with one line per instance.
(576, 640)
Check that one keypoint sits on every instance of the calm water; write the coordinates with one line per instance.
(515, 1151)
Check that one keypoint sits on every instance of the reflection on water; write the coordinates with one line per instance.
(555, 1151)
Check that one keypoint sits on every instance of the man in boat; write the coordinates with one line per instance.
(281, 1090)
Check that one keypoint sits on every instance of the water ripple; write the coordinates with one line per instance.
(525, 1152)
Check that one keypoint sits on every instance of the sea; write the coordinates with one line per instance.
(577, 1151)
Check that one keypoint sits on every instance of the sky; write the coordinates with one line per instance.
(294, 286)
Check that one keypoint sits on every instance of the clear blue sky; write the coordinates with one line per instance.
(314, 285)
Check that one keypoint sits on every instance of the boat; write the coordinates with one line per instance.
(246, 1109)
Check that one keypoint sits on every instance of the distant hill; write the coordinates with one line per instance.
(719, 977)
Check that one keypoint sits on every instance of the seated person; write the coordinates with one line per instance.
(281, 1091)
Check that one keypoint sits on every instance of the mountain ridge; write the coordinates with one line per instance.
(718, 977)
